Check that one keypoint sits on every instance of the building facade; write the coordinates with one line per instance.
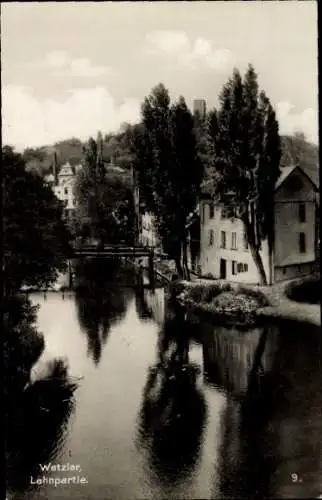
(64, 190)
(148, 233)
(224, 250)
(62, 182)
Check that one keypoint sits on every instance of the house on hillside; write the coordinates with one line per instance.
(224, 250)
(62, 182)
(64, 190)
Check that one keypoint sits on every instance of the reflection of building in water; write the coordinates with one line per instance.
(278, 432)
(155, 302)
(229, 355)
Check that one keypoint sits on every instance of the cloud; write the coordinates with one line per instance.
(56, 59)
(305, 121)
(28, 122)
(61, 63)
(184, 52)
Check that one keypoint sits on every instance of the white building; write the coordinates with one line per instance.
(224, 251)
(64, 189)
(148, 233)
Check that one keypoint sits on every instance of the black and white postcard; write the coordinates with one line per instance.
(161, 250)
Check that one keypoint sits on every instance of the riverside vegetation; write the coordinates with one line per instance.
(234, 303)
(36, 243)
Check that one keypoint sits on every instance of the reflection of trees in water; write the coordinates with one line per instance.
(173, 413)
(276, 430)
(101, 300)
(143, 310)
(150, 304)
(36, 427)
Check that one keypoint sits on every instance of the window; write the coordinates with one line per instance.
(245, 242)
(211, 211)
(233, 241)
(222, 239)
(242, 268)
(211, 237)
(302, 242)
(234, 267)
(302, 214)
(65, 190)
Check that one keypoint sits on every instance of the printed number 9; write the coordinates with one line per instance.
(294, 478)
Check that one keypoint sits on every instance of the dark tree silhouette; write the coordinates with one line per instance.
(37, 426)
(100, 300)
(173, 411)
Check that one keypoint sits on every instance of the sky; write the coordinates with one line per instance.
(70, 69)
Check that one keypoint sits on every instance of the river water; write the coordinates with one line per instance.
(237, 415)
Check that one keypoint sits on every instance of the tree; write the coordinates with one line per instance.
(104, 198)
(188, 172)
(168, 167)
(36, 241)
(247, 157)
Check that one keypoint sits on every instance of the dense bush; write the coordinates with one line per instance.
(202, 293)
(23, 345)
(307, 291)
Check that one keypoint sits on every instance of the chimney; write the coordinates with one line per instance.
(55, 169)
(199, 107)
(99, 157)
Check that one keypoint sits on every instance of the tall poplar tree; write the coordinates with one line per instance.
(247, 154)
(169, 168)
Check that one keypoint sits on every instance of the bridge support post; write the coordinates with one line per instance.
(70, 275)
(151, 271)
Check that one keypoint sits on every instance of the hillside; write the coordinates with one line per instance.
(40, 159)
(295, 150)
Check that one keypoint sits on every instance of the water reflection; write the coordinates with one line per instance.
(37, 427)
(101, 301)
(272, 432)
(255, 422)
(143, 310)
(173, 412)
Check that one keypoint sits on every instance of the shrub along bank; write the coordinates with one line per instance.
(226, 302)
(241, 304)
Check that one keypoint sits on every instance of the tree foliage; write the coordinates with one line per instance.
(247, 154)
(169, 169)
(105, 206)
(36, 240)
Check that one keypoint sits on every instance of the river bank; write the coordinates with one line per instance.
(235, 303)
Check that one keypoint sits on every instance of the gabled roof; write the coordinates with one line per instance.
(66, 170)
(286, 172)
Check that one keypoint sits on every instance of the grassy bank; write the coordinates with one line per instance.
(227, 303)
(241, 304)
